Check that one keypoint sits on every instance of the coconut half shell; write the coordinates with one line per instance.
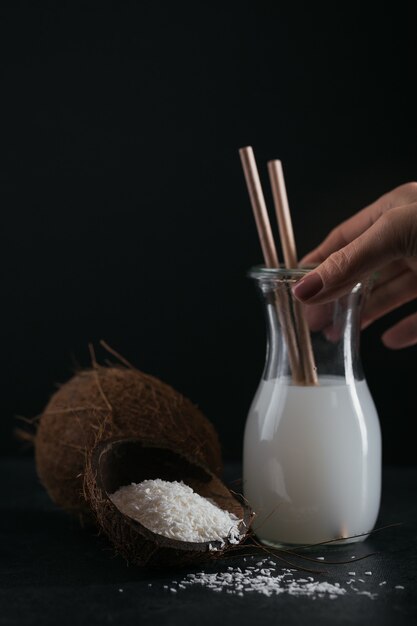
(117, 462)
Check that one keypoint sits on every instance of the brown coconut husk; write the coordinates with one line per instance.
(114, 401)
(118, 462)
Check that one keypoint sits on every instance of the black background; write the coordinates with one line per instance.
(124, 210)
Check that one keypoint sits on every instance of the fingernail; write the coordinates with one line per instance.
(308, 287)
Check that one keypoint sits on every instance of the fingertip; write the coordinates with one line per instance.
(387, 342)
(392, 341)
(308, 287)
(390, 344)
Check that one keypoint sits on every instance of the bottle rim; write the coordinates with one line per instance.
(286, 275)
(279, 273)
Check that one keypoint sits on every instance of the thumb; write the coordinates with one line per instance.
(337, 274)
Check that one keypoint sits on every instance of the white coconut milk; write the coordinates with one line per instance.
(312, 461)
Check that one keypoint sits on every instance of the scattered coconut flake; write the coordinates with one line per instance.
(399, 587)
(238, 582)
(384, 582)
(352, 573)
(368, 573)
(268, 579)
(320, 558)
(174, 510)
(368, 593)
(121, 590)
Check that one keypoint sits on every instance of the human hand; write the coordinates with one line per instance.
(382, 237)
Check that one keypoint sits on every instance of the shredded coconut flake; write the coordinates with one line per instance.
(368, 593)
(246, 581)
(269, 580)
(174, 510)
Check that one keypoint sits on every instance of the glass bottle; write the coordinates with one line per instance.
(312, 451)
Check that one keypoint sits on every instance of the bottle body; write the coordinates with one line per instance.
(312, 453)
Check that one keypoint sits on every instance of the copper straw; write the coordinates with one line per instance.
(270, 254)
(286, 232)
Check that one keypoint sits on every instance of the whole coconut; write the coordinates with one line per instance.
(115, 401)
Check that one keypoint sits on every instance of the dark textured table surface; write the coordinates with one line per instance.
(53, 572)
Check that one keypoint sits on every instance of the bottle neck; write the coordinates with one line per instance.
(309, 343)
